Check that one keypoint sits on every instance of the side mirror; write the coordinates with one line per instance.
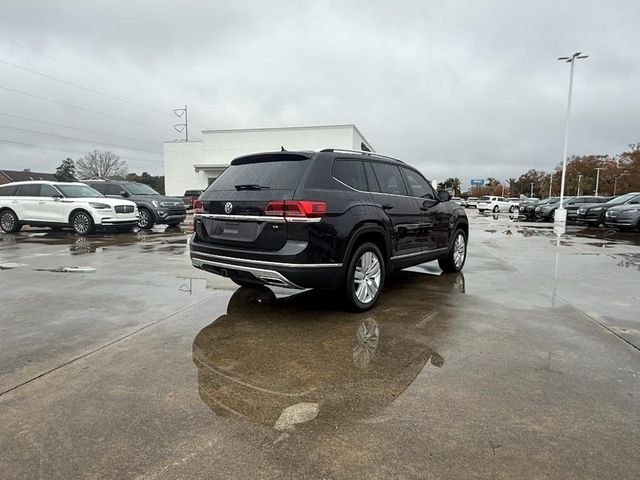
(124, 194)
(444, 196)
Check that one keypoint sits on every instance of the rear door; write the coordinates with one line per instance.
(434, 215)
(235, 203)
(403, 210)
(27, 197)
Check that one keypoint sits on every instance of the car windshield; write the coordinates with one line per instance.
(78, 191)
(622, 199)
(139, 189)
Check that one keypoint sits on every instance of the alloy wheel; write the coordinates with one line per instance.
(366, 278)
(143, 221)
(459, 251)
(7, 221)
(81, 223)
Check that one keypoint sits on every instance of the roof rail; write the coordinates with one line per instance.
(361, 152)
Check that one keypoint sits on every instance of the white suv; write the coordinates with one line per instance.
(62, 204)
(495, 204)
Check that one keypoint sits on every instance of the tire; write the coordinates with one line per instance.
(82, 223)
(457, 255)
(364, 277)
(9, 222)
(496, 209)
(481, 210)
(146, 218)
(244, 283)
(511, 209)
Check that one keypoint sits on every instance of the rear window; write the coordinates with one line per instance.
(262, 175)
(484, 199)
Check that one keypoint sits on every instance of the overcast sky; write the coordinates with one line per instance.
(469, 89)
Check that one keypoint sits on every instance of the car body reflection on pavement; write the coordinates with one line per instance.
(283, 361)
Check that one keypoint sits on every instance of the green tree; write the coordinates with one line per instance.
(453, 183)
(66, 171)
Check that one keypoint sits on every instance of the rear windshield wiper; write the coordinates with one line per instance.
(250, 186)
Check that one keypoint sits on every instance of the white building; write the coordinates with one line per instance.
(194, 165)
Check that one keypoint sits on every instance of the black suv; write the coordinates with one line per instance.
(330, 219)
(152, 206)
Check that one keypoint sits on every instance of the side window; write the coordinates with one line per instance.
(501, 199)
(635, 200)
(371, 178)
(112, 189)
(350, 172)
(100, 187)
(29, 190)
(48, 191)
(418, 186)
(8, 190)
(389, 178)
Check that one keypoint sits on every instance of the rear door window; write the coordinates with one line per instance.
(29, 190)
(371, 178)
(418, 186)
(112, 189)
(100, 187)
(350, 172)
(389, 178)
(272, 174)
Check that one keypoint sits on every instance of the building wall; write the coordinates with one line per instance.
(219, 147)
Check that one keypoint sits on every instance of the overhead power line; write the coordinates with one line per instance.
(78, 139)
(20, 92)
(77, 128)
(83, 152)
(82, 87)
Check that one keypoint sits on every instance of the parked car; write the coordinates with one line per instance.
(189, 197)
(514, 203)
(153, 207)
(544, 203)
(547, 211)
(472, 202)
(572, 206)
(458, 200)
(527, 207)
(624, 217)
(62, 204)
(330, 219)
(594, 214)
(494, 204)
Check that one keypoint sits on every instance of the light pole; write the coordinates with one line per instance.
(597, 179)
(615, 185)
(561, 213)
(550, 183)
(532, 189)
(579, 179)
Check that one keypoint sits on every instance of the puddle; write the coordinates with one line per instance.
(288, 362)
(11, 265)
(67, 270)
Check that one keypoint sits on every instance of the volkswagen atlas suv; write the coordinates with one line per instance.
(153, 207)
(62, 204)
(333, 219)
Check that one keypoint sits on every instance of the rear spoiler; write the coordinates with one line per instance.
(272, 157)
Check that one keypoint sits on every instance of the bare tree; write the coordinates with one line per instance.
(100, 164)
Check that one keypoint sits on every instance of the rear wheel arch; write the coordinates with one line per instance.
(368, 233)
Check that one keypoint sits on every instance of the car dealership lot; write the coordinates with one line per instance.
(118, 359)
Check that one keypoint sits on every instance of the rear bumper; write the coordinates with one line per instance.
(269, 272)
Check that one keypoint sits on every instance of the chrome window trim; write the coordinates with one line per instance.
(265, 262)
(382, 193)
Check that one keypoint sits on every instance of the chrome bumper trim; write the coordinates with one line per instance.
(259, 218)
(269, 277)
(195, 253)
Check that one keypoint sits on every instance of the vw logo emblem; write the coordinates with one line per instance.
(228, 207)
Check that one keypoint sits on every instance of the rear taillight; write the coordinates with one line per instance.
(296, 208)
(198, 206)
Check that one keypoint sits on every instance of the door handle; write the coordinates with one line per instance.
(387, 206)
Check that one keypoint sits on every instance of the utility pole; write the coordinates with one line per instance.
(598, 179)
(561, 213)
(579, 180)
(180, 127)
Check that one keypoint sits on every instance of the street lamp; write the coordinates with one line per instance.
(579, 179)
(550, 183)
(531, 189)
(597, 179)
(561, 213)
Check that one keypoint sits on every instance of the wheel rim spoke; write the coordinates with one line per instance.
(366, 278)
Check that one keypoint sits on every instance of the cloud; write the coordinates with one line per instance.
(466, 89)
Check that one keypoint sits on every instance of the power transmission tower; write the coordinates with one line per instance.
(180, 127)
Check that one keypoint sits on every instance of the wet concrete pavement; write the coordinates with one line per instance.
(139, 366)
